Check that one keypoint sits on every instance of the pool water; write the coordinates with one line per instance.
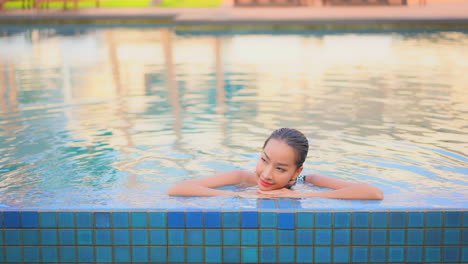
(111, 117)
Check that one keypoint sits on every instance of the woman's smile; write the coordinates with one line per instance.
(265, 183)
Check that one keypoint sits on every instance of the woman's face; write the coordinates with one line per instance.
(277, 166)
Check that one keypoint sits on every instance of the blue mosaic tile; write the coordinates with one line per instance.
(249, 237)
(122, 254)
(176, 219)
(32, 255)
(304, 238)
(286, 255)
(84, 220)
(14, 254)
(194, 219)
(464, 254)
(85, 254)
(249, 255)
(103, 237)
(140, 254)
(121, 237)
(414, 254)
(287, 204)
(342, 237)
(305, 220)
(378, 254)
(397, 219)
(432, 254)
(268, 220)
(13, 237)
(360, 237)
(49, 254)
(396, 254)
(158, 237)
(84, 237)
(120, 219)
(360, 254)
(213, 237)
(286, 237)
(231, 237)
(453, 219)
(12, 220)
(433, 219)
(67, 237)
(49, 237)
(47, 220)
(304, 255)
(158, 254)
(104, 254)
(158, 219)
(212, 219)
(194, 237)
(103, 219)
(323, 220)
(176, 237)
(286, 221)
(341, 255)
(140, 237)
(433, 237)
(360, 219)
(465, 237)
(379, 219)
(68, 254)
(231, 219)
(342, 219)
(139, 219)
(322, 254)
(415, 236)
(397, 237)
(268, 255)
(30, 219)
(416, 219)
(195, 255)
(323, 237)
(30, 237)
(268, 237)
(231, 255)
(378, 237)
(213, 254)
(249, 220)
(451, 236)
(451, 254)
(267, 204)
(465, 219)
(66, 219)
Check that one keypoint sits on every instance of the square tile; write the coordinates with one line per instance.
(465, 219)
(68, 254)
(231, 237)
(268, 220)
(194, 219)
(176, 237)
(453, 219)
(176, 219)
(465, 237)
(29, 219)
(213, 254)
(103, 237)
(122, 254)
(120, 219)
(304, 237)
(66, 220)
(342, 219)
(397, 219)
(231, 219)
(249, 219)
(305, 220)
(212, 219)
(268, 254)
(158, 237)
(268, 237)
(67, 237)
(379, 219)
(103, 219)
(451, 254)
(361, 219)
(11, 219)
(286, 237)
(286, 221)
(194, 237)
(415, 236)
(433, 219)
(158, 219)
(397, 237)
(341, 237)
(47, 220)
(121, 237)
(14, 254)
(378, 254)
(360, 254)
(266, 204)
(49, 254)
(195, 255)
(49, 237)
(140, 254)
(32, 255)
(249, 237)
(13, 237)
(84, 237)
(378, 237)
(30, 237)
(287, 204)
(323, 220)
(139, 220)
(322, 254)
(213, 237)
(432, 254)
(104, 255)
(249, 255)
(341, 255)
(464, 257)
(86, 254)
(286, 254)
(396, 254)
(231, 255)
(140, 237)
(416, 219)
(323, 237)
(360, 237)
(84, 220)
(158, 254)
(433, 237)
(451, 236)
(304, 254)
(414, 254)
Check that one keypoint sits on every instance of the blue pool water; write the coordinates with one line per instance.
(97, 123)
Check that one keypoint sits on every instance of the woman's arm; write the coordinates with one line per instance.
(206, 186)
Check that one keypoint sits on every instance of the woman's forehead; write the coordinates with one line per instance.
(280, 152)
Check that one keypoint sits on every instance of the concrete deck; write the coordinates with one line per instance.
(440, 12)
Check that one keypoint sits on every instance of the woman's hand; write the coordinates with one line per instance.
(281, 193)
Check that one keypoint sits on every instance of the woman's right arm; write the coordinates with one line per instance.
(206, 186)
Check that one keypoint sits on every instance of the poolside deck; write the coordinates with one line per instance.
(436, 11)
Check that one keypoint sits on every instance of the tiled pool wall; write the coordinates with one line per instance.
(268, 236)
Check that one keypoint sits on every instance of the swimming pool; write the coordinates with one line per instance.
(97, 122)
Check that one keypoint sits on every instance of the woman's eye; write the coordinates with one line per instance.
(281, 169)
(263, 159)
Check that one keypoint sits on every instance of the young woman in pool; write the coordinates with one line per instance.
(277, 170)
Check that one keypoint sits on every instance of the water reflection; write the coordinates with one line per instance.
(124, 113)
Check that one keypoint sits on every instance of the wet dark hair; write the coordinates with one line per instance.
(295, 139)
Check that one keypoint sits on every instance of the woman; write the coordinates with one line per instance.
(277, 170)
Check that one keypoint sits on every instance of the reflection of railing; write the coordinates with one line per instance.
(39, 3)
